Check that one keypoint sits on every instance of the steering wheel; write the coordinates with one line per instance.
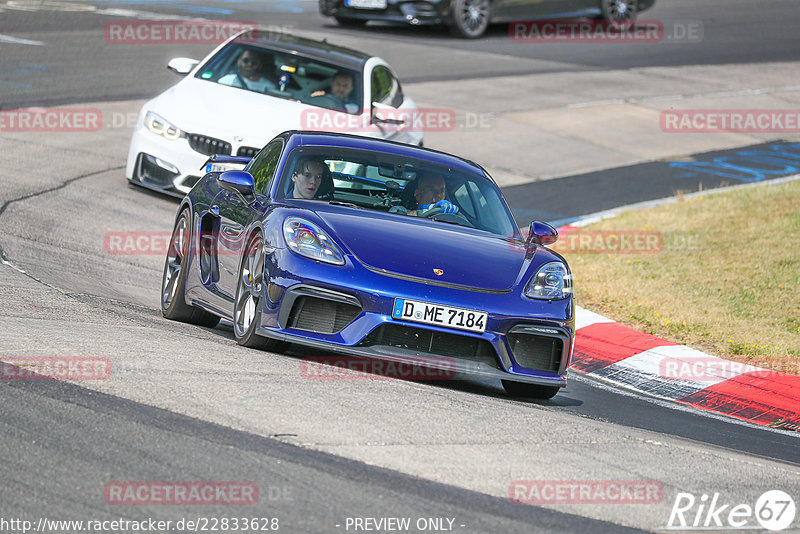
(327, 101)
(458, 218)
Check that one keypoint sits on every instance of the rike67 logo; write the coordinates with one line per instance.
(773, 510)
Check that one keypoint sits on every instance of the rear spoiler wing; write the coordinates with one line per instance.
(221, 158)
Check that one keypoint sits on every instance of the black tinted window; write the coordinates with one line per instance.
(263, 166)
(385, 88)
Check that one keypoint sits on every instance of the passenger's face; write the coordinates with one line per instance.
(307, 180)
(250, 64)
(341, 87)
(430, 190)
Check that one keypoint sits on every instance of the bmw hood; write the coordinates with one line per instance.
(439, 252)
(207, 108)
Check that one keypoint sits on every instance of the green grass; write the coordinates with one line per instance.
(726, 281)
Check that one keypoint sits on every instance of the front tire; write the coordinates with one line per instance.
(470, 18)
(247, 304)
(529, 391)
(173, 282)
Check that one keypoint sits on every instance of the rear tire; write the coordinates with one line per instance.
(173, 282)
(530, 391)
(619, 12)
(247, 304)
(348, 22)
(470, 18)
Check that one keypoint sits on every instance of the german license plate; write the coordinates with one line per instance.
(447, 316)
(366, 4)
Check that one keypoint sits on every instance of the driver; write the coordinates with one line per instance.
(341, 89)
(306, 179)
(429, 196)
(250, 73)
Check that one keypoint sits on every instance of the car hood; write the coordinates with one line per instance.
(228, 113)
(419, 249)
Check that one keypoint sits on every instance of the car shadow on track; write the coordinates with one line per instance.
(353, 367)
(379, 29)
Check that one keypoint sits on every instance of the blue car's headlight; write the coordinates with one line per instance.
(160, 126)
(551, 281)
(307, 239)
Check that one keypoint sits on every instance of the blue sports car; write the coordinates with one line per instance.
(375, 249)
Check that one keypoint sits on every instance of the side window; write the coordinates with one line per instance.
(263, 167)
(385, 87)
(464, 200)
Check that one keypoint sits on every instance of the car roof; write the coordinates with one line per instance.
(313, 138)
(321, 50)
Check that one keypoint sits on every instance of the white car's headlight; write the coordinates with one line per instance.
(160, 126)
(307, 239)
(552, 281)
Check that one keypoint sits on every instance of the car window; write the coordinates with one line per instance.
(363, 179)
(280, 74)
(385, 87)
(263, 166)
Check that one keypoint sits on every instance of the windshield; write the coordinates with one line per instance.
(283, 75)
(399, 185)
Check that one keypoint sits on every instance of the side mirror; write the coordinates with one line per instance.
(541, 233)
(237, 181)
(182, 65)
(383, 114)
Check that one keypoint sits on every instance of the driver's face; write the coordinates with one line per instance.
(341, 87)
(250, 64)
(307, 180)
(430, 190)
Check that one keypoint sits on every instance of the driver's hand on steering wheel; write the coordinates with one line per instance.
(318, 92)
(443, 206)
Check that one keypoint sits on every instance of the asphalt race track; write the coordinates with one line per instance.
(188, 404)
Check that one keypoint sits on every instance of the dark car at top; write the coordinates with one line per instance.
(471, 18)
(352, 271)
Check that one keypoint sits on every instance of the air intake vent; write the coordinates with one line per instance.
(541, 353)
(436, 343)
(209, 145)
(321, 315)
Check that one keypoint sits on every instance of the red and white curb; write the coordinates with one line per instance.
(625, 357)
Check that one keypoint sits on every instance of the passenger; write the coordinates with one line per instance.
(341, 89)
(250, 73)
(306, 179)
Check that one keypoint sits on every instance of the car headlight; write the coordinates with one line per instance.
(160, 126)
(307, 239)
(552, 282)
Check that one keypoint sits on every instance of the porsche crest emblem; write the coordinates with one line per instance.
(438, 272)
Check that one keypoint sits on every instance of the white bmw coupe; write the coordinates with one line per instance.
(254, 86)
